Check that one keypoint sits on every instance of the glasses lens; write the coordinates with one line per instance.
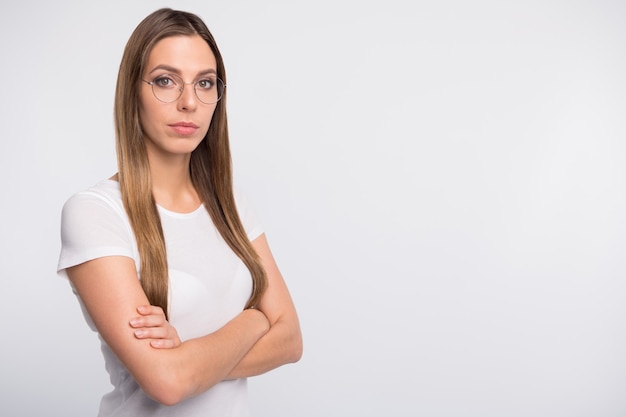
(209, 90)
(169, 87)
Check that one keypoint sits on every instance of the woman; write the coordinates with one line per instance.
(210, 307)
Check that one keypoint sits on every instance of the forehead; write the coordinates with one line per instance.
(188, 54)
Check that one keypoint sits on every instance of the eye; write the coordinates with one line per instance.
(205, 84)
(164, 81)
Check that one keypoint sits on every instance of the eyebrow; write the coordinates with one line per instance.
(177, 71)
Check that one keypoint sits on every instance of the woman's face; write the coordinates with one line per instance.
(176, 128)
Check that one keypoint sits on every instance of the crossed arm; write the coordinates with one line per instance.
(253, 342)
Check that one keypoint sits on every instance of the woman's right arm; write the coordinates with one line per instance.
(111, 293)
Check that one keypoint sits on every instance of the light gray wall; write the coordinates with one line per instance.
(443, 185)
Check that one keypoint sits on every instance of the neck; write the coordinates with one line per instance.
(171, 182)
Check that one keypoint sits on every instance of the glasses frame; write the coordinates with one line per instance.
(182, 89)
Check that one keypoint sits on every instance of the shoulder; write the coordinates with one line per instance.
(106, 192)
(96, 203)
(247, 214)
(240, 197)
(94, 224)
(98, 207)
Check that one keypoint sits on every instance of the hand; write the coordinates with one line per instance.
(151, 325)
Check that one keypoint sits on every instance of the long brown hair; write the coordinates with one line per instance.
(210, 166)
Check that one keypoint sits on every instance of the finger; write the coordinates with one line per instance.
(148, 321)
(146, 310)
(152, 333)
(163, 343)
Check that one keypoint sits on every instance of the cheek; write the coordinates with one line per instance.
(209, 117)
(211, 113)
(147, 117)
(143, 121)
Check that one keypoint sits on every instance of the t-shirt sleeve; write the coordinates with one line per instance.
(249, 219)
(92, 228)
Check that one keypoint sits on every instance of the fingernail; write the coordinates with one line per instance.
(134, 322)
(156, 343)
(139, 333)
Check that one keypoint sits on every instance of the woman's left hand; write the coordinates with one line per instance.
(151, 325)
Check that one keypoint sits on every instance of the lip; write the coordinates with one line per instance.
(184, 128)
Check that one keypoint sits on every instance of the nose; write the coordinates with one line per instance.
(188, 101)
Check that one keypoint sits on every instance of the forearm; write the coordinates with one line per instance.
(198, 364)
(111, 292)
(282, 344)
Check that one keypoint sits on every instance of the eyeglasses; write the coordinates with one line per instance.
(168, 88)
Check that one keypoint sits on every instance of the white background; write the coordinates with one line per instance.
(442, 183)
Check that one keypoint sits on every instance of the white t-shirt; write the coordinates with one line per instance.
(208, 286)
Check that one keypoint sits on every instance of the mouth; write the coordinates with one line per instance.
(184, 128)
(184, 124)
